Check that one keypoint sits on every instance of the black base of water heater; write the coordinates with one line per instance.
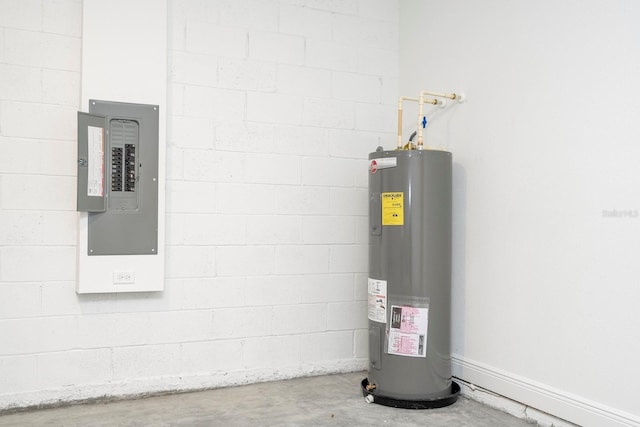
(438, 402)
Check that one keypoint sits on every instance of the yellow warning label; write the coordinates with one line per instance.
(393, 208)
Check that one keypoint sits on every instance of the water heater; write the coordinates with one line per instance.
(409, 285)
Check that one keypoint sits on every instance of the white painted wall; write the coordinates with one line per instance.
(547, 207)
(125, 62)
(273, 107)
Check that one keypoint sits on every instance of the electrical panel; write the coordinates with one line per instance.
(118, 177)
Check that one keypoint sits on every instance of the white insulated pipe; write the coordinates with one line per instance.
(421, 100)
(400, 101)
(400, 123)
(451, 96)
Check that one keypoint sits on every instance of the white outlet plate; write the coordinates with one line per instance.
(124, 277)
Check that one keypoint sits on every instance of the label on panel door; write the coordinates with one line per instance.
(393, 208)
(377, 300)
(95, 154)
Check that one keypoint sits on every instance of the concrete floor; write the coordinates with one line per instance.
(332, 400)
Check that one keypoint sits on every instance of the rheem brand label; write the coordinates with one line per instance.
(382, 163)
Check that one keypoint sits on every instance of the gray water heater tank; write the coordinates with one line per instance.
(409, 286)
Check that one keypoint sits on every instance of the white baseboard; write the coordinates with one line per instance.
(537, 400)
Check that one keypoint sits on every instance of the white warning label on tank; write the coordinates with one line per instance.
(377, 300)
(408, 331)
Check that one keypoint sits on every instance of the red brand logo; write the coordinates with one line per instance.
(373, 166)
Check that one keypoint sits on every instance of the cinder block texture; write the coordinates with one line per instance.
(273, 106)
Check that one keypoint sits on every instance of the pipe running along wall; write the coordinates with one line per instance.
(439, 99)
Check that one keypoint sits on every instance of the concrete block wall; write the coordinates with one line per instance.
(273, 107)
(39, 95)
